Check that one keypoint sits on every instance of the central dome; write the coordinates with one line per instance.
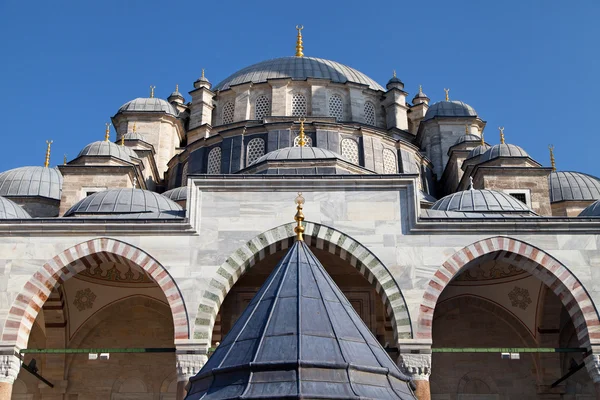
(297, 68)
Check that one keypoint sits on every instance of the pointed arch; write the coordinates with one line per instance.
(533, 260)
(36, 291)
(316, 235)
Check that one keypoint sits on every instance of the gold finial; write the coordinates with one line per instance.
(302, 140)
(447, 91)
(420, 89)
(122, 140)
(501, 129)
(107, 133)
(65, 159)
(394, 73)
(134, 128)
(47, 162)
(202, 73)
(299, 46)
(177, 88)
(299, 217)
(482, 141)
(152, 87)
(466, 129)
(552, 161)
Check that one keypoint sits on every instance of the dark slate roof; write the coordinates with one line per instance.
(452, 108)
(31, 182)
(299, 153)
(593, 210)
(105, 148)
(568, 185)
(479, 150)
(299, 338)
(177, 194)
(148, 104)
(503, 150)
(480, 200)
(467, 138)
(123, 201)
(297, 68)
(11, 210)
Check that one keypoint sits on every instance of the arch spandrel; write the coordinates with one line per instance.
(321, 237)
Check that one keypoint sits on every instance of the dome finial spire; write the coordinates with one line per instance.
(202, 73)
(107, 132)
(302, 137)
(552, 161)
(47, 162)
(152, 87)
(471, 183)
(394, 73)
(122, 140)
(466, 129)
(482, 141)
(420, 89)
(299, 217)
(447, 91)
(501, 129)
(134, 127)
(299, 46)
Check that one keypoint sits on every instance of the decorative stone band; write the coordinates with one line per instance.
(189, 365)
(10, 364)
(417, 366)
(316, 235)
(36, 291)
(531, 259)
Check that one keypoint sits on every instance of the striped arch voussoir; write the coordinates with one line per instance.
(36, 291)
(316, 235)
(531, 259)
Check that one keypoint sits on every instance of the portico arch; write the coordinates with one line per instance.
(321, 237)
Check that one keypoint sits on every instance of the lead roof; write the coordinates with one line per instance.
(31, 182)
(569, 185)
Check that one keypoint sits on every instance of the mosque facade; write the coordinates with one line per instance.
(470, 265)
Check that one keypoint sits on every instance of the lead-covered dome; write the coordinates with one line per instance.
(11, 210)
(106, 149)
(297, 68)
(299, 153)
(569, 185)
(467, 138)
(479, 150)
(450, 108)
(480, 200)
(503, 150)
(593, 210)
(123, 201)
(31, 182)
(148, 104)
(177, 194)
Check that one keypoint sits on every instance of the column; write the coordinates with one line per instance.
(592, 364)
(10, 364)
(415, 361)
(191, 358)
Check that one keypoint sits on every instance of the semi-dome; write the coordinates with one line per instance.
(177, 194)
(299, 153)
(479, 150)
(148, 104)
(297, 68)
(503, 150)
(11, 210)
(480, 200)
(450, 108)
(569, 185)
(31, 182)
(105, 148)
(593, 210)
(467, 138)
(123, 201)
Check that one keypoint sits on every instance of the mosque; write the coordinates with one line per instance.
(423, 261)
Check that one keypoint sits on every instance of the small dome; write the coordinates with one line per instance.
(467, 138)
(31, 182)
(395, 82)
(148, 104)
(420, 95)
(134, 136)
(123, 201)
(177, 194)
(11, 210)
(176, 95)
(129, 151)
(299, 153)
(568, 185)
(105, 148)
(479, 150)
(480, 200)
(593, 210)
(451, 108)
(503, 150)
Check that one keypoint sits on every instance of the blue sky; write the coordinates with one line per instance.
(528, 65)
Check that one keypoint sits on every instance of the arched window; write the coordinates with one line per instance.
(262, 107)
(255, 150)
(214, 161)
(390, 165)
(307, 141)
(184, 174)
(228, 109)
(299, 105)
(369, 113)
(336, 107)
(350, 150)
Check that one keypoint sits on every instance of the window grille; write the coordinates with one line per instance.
(350, 150)
(262, 107)
(390, 166)
(255, 150)
(298, 105)
(307, 141)
(369, 113)
(228, 109)
(336, 107)
(214, 161)
(522, 197)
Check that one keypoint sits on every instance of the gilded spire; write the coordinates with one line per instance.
(482, 141)
(420, 89)
(299, 217)
(302, 140)
(552, 161)
(299, 46)
(177, 88)
(122, 140)
(447, 91)
(466, 129)
(65, 159)
(501, 129)
(394, 73)
(152, 87)
(134, 128)
(107, 133)
(203, 74)
(47, 162)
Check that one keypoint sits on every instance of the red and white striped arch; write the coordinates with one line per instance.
(531, 259)
(34, 294)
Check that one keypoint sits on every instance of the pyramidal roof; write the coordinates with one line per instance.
(299, 338)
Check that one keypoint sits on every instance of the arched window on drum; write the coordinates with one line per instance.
(369, 113)
(254, 150)
(228, 110)
(299, 105)
(350, 150)
(262, 107)
(214, 161)
(390, 163)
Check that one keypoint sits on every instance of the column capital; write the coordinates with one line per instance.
(191, 357)
(10, 364)
(415, 358)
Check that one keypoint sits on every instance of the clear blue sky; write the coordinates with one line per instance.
(529, 65)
